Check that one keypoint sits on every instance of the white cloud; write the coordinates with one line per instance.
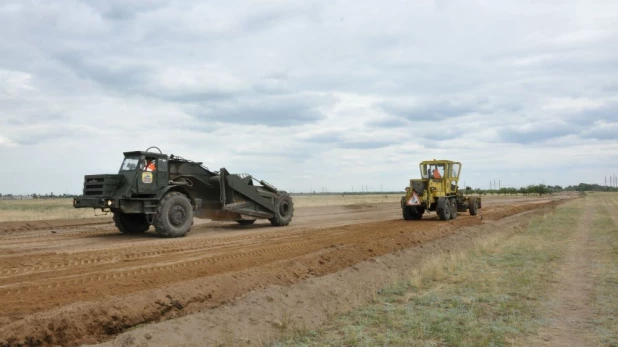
(311, 94)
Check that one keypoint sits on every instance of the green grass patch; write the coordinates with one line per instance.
(487, 296)
(605, 234)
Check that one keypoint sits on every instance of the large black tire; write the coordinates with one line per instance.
(453, 208)
(444, 208)
(245, 221)
(174, 215)
(131, 223)
(473, 206)
(412, 213)
(285, 210)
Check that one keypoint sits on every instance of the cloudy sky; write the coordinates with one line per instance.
(310, 94)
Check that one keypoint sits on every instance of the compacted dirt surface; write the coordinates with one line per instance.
(74, 282)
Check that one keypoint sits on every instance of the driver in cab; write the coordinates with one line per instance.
(436, 173)
(150, 165)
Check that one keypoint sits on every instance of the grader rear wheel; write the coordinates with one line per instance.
(473, 207)
(453, 208)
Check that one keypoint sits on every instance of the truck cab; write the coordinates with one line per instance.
(148, 170)
(134, 180)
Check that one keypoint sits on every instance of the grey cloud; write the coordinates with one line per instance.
(538, 135)
(609, 133)
(391, 122)
(368, 144)
(279, 111)
(340, 140)
(325, 137)
(125, 9)
(430, 111)
(125, 76)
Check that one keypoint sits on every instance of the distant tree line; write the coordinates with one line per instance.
(38, 196)
(541, 189)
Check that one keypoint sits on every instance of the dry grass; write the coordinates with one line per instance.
(41, 209)
(486, 296)
(331, 200)
(45, 209)
(605, 234)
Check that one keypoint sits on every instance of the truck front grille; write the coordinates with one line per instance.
(101, 185)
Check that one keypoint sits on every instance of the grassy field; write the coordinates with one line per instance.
(41, 209)
(605, 236)
(491, 295)
(342, 199)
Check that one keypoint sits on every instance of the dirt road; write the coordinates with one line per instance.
(70, 283)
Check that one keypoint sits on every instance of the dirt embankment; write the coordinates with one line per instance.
(81, 284)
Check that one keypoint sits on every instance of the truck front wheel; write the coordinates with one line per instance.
(131, 223)
(174, 215)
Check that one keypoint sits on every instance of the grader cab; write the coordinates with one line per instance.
(437, 190)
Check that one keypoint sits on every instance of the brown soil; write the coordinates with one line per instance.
(70, 284)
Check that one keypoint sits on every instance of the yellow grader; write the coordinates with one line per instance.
(437, 190)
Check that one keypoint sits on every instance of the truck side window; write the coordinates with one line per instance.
(162, 165)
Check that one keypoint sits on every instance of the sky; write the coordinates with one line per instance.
(310, 95)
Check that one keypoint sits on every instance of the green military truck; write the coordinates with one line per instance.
(152, 188)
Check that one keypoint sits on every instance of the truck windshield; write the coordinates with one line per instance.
(129, 164)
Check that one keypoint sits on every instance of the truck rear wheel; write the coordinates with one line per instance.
(285, 210)
(174, 215)
(131, 223)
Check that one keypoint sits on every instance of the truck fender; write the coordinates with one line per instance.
(172, 188)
